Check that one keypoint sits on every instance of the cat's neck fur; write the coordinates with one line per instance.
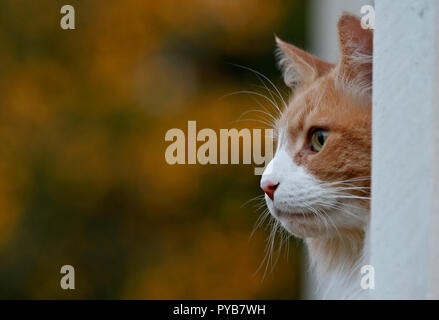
(336, 264)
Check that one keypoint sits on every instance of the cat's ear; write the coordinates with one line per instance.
(298, 66)
(356, 45)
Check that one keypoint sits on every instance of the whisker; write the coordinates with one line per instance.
(262, 218)
(266, 78)
(259, 197)
(258, 111)
(251, 93)
(278, 111)
(255, 120)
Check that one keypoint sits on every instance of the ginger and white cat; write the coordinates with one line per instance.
(318, 183)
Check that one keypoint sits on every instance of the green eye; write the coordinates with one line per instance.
(318, 139)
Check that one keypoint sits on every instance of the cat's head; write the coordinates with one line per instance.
(318, 183)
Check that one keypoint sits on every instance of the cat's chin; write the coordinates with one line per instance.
(302, 224)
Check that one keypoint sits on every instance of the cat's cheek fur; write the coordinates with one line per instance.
(298, 198)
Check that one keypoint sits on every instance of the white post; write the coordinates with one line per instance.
(405, 157)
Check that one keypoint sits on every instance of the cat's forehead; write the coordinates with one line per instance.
(311, 102)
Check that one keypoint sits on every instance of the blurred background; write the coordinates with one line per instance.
(83, 176)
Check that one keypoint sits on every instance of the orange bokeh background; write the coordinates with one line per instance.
(83, 177)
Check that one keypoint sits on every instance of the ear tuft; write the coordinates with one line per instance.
(356, 46)
(298, 66)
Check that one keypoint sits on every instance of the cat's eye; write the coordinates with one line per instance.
(318, 139)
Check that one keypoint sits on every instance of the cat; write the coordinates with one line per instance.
(317, 186)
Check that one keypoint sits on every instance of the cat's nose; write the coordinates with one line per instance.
(269, 188)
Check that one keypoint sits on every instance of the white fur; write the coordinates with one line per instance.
(342, 280)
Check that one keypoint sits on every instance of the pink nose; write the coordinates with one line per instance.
(269, 188)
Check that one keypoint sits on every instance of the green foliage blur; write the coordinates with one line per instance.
(83, 177)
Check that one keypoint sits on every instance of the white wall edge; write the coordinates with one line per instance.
(405, 157)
